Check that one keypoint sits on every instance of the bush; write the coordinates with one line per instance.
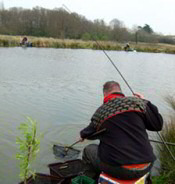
(29, 145)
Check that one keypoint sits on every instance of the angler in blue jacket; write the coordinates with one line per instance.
(124, 150)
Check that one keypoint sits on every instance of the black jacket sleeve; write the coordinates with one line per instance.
(154, 120)
(88, 131)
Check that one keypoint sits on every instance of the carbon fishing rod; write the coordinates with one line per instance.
(68, 10)
(168, 143)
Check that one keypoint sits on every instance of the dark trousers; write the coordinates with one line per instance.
(94, 166)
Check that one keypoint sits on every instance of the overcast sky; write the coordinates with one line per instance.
(159, 14)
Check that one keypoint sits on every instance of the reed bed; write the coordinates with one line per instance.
(74, 44)
(9, 41)
(14, 41)
(155, 47)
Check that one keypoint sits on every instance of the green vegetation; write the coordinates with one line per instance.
(28, 148)
(61, 24)
(159, 180)
(167, 172)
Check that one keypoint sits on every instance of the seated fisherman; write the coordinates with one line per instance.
(124, 151)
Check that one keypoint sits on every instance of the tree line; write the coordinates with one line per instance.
(58, 23)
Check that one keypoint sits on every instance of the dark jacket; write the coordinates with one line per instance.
(126, 120)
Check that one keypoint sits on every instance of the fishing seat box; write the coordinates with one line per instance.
(67, 170)
(106, 179)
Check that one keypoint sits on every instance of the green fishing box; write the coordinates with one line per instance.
(82, 180)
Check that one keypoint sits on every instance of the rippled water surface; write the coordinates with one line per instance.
(61, 89)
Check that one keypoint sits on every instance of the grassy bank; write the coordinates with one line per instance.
(167, 171)
(13, 41)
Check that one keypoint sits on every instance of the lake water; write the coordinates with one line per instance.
(61, 89)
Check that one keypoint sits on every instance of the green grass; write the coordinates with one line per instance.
(158, 180)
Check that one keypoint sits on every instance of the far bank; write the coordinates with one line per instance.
(14, 41)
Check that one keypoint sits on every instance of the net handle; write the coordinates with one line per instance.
(94, 134)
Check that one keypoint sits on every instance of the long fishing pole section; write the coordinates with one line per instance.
(166, 145)
(68, 10)
(160, 142)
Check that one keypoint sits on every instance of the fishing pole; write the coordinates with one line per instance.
(114, 65)
(68, 10)
(168, 143)
(166, 146)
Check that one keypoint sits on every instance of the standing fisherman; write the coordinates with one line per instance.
(124, 151)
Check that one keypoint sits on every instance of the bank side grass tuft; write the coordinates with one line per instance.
(167, 171)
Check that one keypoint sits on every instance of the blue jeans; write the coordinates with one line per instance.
(94, 166)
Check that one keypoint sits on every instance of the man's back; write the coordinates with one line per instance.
(125, 141)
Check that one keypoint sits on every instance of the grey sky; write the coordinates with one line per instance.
(159, 14)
